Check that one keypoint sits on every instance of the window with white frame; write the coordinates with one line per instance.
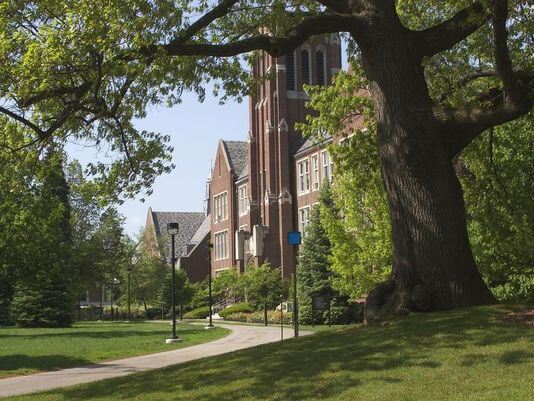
(221, 245)
(304, 219)
(220, 207)
(290, 72)
(303, 172)
(243, 200)
(327, 165)
(315, 172)
(219, 271)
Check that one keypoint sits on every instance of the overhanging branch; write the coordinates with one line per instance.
(275, 46)
(445, 35)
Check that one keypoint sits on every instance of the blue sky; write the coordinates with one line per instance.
(195, 129)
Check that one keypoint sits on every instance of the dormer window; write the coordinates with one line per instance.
(305, 66)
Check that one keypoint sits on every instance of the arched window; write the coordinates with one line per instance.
(305, 66)
(290, 72)
(319, 63)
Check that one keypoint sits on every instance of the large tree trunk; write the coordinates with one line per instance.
(433, 266)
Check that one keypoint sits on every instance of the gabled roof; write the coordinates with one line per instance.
(237, 153)
(200, 234)
(188, 222)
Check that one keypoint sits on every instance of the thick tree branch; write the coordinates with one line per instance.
(445, 35)
(462, 125)
(217, 12)
(337, 6)
(275, 46)
(22, 120)
(502, 54)
(55, 92)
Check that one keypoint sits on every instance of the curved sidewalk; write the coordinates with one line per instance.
(241, 337)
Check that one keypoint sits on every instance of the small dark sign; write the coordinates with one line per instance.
(320, 303)
(294, 238)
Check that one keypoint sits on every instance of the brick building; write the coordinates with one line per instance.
(261, 189)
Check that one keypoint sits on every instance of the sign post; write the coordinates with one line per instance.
(295, 238)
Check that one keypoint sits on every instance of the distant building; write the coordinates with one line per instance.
(262, 188)
(191, 242)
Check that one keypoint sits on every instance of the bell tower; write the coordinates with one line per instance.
(278, 102)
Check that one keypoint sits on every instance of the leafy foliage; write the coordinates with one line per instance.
(264, 286)
(357, 221)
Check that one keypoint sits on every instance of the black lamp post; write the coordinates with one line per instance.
(210, 324)
(172, 230)
(129, 294)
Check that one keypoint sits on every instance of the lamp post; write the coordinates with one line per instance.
(129, 294)
(172, 230)
(210, 324)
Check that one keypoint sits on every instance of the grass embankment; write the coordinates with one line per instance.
(25, 351)
(459, 355)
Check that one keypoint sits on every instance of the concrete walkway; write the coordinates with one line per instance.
(241, 337)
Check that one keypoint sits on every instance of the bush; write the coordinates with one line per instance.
(273, 317)
(339, 314)
(198, 313)
(242, 307)
(518, 289)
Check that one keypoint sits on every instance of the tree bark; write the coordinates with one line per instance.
(433, 266)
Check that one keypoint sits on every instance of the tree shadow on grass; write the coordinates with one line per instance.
(23, 364)
(314, 367)
(98, 334)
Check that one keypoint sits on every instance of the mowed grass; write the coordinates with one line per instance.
(24, 351)
(459, 355)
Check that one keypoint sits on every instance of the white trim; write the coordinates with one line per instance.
(223, 214)
(216, 245)
(219, 271)
(307, 173)
(246, 208)
(297, 95)
(303, 224)
(315, 180)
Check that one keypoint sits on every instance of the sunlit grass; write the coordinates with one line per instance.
(25, 351)
(459, 355)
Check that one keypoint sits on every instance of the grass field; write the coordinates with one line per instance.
(25, 351)
(459, 355)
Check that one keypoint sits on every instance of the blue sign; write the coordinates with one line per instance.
(294, 238)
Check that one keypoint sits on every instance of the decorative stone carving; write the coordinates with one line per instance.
(285, 197)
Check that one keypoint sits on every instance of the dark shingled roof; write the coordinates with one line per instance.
(237, 152)
(189, 223)
(200, 234)
(308, 143)
(244, 173)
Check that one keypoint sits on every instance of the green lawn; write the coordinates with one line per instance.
(25, 351)
(460, 355)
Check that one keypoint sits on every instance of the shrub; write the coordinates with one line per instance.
(518, 289)
(273, 317)
(242, 307)
(339, 314)
(198, 313)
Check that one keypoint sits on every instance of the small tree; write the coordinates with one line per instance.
(264, 286)
(314, 272)
(184, 290)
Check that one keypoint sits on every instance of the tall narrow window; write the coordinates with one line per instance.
(319, 63)
(303, 176)
(305, 66)
(290, 72)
